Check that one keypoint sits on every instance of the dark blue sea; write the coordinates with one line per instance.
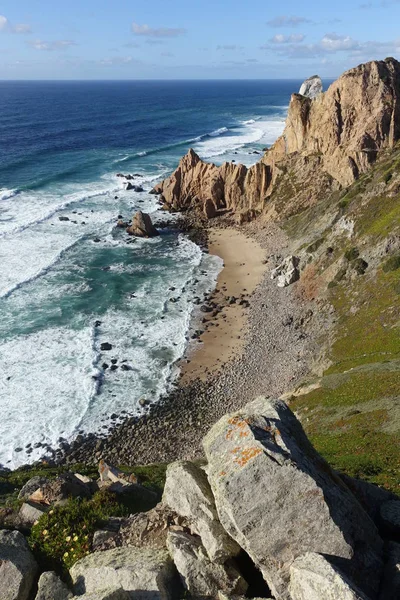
(68, 286)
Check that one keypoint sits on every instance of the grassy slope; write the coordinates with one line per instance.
(353, 417)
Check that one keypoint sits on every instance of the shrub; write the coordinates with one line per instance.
(351, 254)
(64, 534)
(315, 245)
(360, 265)
(392, 264)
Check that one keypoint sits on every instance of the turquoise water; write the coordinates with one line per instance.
(67, 287)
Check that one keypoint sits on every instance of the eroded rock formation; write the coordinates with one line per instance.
(329, 140)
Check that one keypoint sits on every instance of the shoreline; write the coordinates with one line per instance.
(273, 353)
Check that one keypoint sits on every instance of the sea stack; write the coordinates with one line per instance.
(142, 226)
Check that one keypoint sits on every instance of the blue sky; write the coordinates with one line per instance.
(177, 39)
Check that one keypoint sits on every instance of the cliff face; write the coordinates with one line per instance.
(356, 117)
(328, 142)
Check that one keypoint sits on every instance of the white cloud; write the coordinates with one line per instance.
(6, 26)
(51, 46)
(160, 32)
(230, 47)
(116, 60)
(333, 42)
(287, 21)
(287, 39)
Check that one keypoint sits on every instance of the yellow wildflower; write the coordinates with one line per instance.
(68, 538)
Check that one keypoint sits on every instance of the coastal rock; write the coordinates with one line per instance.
(59, 490)
(201, 577)
(29, 513)
(370, 496)
(188, 493)
(390, 588)
(261, 458)
(31, 486)
(142, 226)
(312, 577)
(209, 209)
(390, 518)
(18, 568)
(107, 595)
(50, 587)
(287, 272)
(311, 87)
(145, 573)
(108, 473)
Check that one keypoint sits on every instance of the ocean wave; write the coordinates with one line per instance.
(218, 132)
(7, 194)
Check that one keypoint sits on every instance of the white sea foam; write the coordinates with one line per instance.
(7, 194)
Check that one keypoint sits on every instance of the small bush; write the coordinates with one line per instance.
(343, 204)
(392, 264)
(315, 245)
(351, 254)
(388, 177)
(64, 534)
(360, 265)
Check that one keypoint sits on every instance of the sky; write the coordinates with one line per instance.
(203, 39)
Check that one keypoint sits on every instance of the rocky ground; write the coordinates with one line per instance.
(277, 353)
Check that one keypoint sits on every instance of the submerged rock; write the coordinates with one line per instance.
(279, 499)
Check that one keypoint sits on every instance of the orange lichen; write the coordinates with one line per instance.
(245, 455)
(222, 473)
(235, 423)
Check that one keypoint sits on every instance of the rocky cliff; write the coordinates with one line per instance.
(329, 140)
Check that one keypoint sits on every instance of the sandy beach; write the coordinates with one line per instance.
(223, 338)
(264, 346)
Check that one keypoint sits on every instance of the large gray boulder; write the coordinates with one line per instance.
(30, 513)
(287, 272)
(312, 577)
(201, 577)
(145, 574)
(18, 568)
(106, 595)
(31, 486)
(279, 499)
(50, 587)
(311, 87)
(187, 492)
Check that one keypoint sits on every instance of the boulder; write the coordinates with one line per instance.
(144, 573)
(370, 496)
(111, 474)
(313, 577)
(390, 587)
(31, 486)
(311, 87)
(390, 518)
(287, 272)
(142, 226)
(188, 493)
(18, 568)
(50, 587)
(201, 577)
(59, 490)
(107, 595)
(29, 513)
(279, 499)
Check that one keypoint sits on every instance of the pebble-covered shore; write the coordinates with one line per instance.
(277, 354)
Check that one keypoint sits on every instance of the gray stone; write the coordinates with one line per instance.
(29, 513)
(201, 577)
(312, 577)
(101, 536)
(279, 499)
(18, 568)
(145, 574)
(390, 518)
(370, 496)
(287, 272)
(390, 588)
(311, 87)
(188, 493)
(59, 490)
(50, 587)
(106, 595)
(31, 486)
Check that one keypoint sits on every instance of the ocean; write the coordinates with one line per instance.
(69, 286)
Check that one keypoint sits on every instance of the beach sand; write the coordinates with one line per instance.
(223, 339)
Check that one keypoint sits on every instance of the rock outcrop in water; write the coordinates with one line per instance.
(142, 226)
(329, 140)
